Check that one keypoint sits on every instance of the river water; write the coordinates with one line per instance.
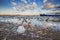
(39, 22)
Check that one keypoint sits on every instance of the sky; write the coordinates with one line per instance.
(29, 7)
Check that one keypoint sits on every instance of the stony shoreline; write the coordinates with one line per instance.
(8, 32)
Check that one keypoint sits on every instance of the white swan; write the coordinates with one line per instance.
(20, 29)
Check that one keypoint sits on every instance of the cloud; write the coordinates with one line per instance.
(24, 1)
(49, 5)
(58, 6)
(14, 8)
(25, 8)
(44, 1)
(34, 4)
(49, 11)
(14, 4)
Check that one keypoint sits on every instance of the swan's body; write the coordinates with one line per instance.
(20, 29)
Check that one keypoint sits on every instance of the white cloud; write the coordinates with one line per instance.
(49, 5)
(26, 9)
(44, 1)
(14, 8)
(49, 11)
(24, 1)
(34, 4)
(13, 3)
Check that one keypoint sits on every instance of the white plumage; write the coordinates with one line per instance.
(20, 29)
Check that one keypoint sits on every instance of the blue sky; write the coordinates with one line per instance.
(7, 3)
(26, 6)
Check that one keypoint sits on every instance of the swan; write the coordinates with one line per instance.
(20, 29)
